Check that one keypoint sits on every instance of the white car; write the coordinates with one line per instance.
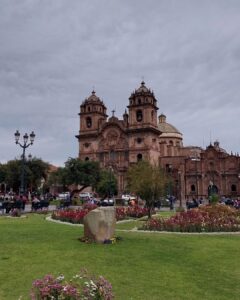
(85, 195)
(128, 197)
(64, 196)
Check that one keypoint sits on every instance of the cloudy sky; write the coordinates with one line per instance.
(52, 54)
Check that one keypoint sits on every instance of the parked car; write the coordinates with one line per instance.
(85, 195)
(64, 196)
(127, 198)
(107, 202)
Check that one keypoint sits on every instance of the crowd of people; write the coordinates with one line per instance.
(193, 203)
(11, 201)
(229, 201)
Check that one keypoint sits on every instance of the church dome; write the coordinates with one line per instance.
(93, 98)
(142, 88)
(93, 104)
(142, 96)
(168, 130)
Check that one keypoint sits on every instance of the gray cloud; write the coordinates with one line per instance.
(53, 52)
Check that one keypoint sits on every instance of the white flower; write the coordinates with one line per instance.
(93, 284)
(60, 277)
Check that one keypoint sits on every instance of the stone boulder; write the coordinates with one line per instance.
(99, 224)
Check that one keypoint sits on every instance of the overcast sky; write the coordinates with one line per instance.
(52, 54)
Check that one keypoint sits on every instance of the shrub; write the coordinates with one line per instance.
(211, 218)
(81, 286)
(214, 199)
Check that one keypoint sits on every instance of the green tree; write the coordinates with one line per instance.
(107, 185)
(84, 173)
(34, 171)
(147, 181)
(2, 173)
(13, 173)
(57, 177)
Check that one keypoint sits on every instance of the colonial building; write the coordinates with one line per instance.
(141, 134)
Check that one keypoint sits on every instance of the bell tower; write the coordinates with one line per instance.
(142, 108)
(92, 114)
(143, 126)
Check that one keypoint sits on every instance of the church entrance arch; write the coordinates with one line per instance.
(212, 190)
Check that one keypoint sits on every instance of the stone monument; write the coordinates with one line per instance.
(99, 224)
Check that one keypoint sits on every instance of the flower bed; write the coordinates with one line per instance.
(123, 213)
(76, 216)
(80, 286)
(215, 218)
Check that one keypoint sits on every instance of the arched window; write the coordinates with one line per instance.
(139, 157)
(139, 140)
(89, 109)
(87, 158)
(139, 115)
(89, 122)
(233, 188)
(152, 114)
(193, 188)
(139, 101)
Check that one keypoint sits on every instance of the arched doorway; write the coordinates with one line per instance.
(212, 190)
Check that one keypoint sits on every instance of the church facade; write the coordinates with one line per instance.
(143, 135)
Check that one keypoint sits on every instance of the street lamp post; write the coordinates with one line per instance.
(24, 146)
(110, 182)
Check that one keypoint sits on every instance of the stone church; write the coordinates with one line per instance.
(143, 135)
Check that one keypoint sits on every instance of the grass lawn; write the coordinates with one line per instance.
(142, 266)
(130, 224)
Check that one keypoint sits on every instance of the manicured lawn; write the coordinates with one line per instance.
(142, 266)
(130, 224)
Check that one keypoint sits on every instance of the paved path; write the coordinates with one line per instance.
(28, 208)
